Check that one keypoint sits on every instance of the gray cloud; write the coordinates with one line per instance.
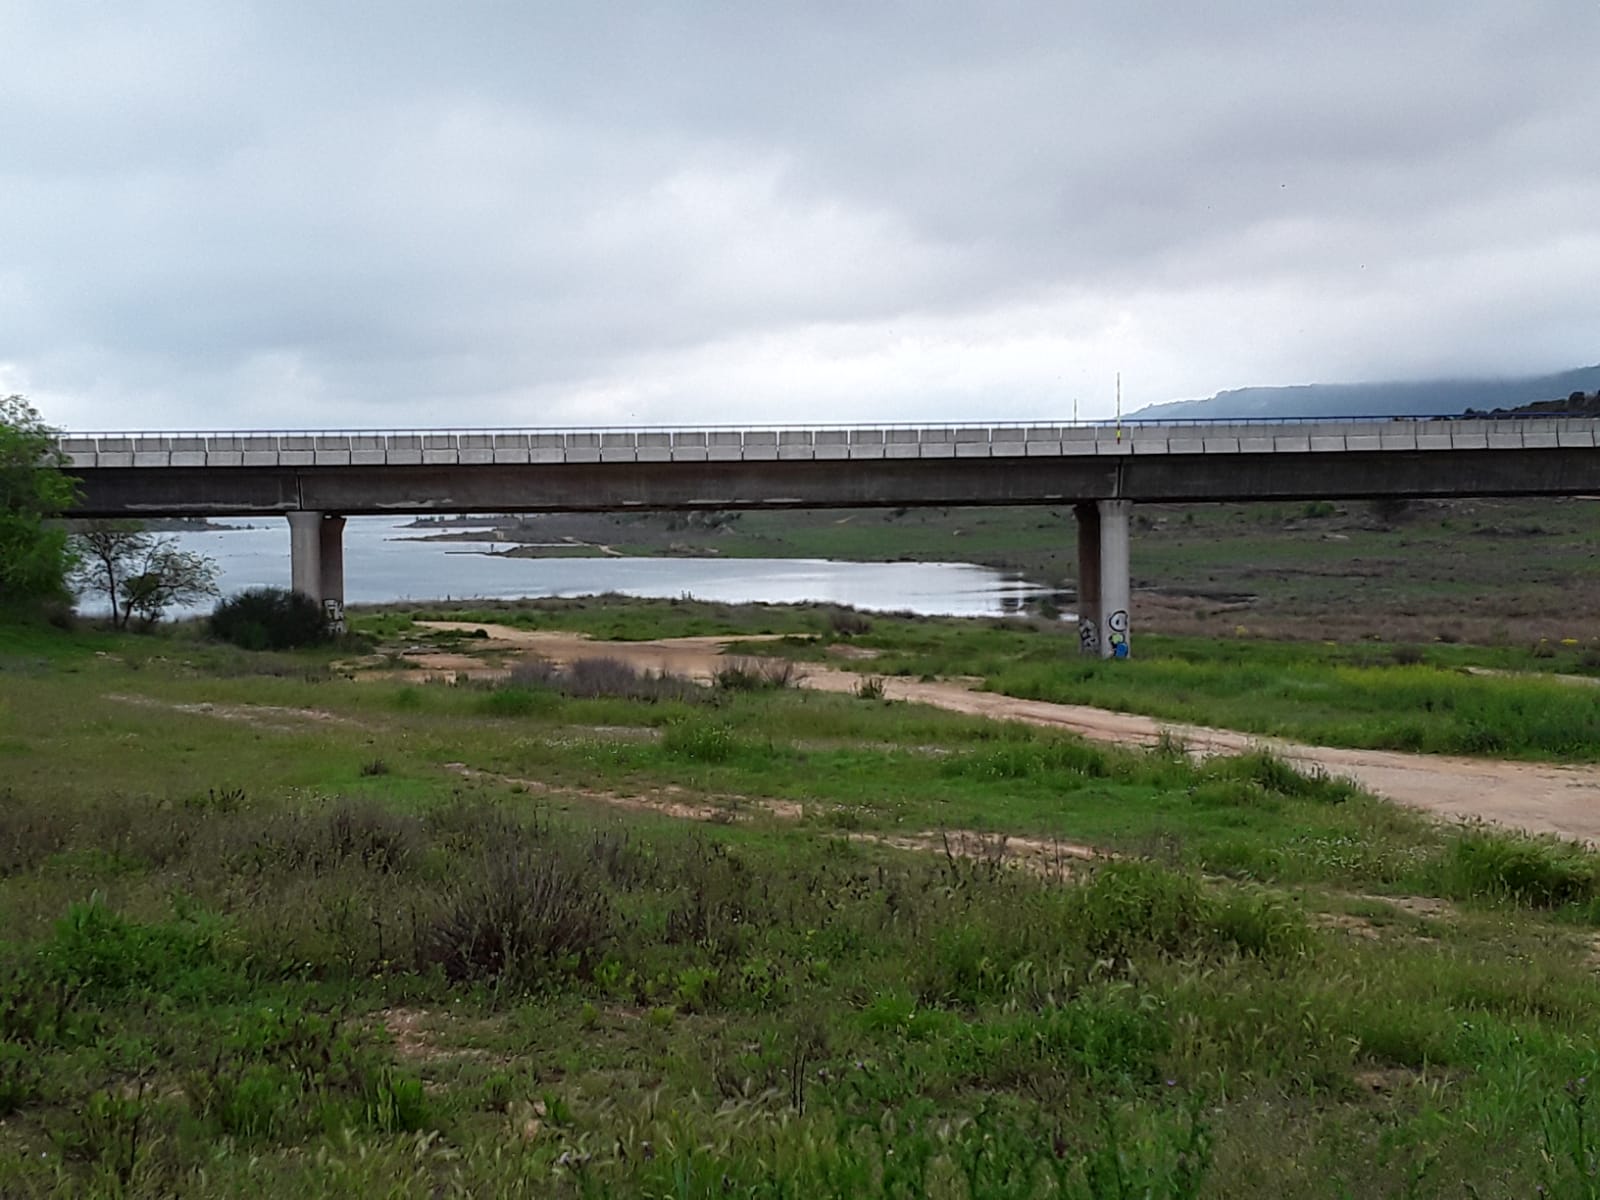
(387, 213)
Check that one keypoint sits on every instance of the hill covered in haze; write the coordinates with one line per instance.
(1430, 397)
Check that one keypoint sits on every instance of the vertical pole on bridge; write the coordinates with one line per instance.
(1088, 520)
(1114, 584)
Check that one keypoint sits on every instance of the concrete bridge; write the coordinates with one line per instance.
(317, 478)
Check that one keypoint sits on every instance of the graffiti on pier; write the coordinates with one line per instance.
(1088, 636)
(1117, 623)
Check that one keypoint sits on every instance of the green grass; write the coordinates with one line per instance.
(1405, 697)
(235, 957)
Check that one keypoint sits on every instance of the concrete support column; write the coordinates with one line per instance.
(316, 561)
(305, 553)
(331, 561)
(1088, 519)
(1114, 585)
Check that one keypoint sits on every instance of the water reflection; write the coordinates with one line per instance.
(385, 561)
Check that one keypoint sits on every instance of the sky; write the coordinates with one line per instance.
(390, 214)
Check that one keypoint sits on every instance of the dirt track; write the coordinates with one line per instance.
(1536, 797)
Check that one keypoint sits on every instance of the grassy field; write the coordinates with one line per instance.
(1531, 701)
(265, 929)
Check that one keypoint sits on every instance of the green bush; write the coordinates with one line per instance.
(269, 618)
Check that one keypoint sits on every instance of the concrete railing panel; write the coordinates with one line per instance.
(294, 450)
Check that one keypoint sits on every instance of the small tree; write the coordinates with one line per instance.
(142, 575)
(33, 552)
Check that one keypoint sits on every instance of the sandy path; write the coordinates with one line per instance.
(698, 658)
(1541, 798)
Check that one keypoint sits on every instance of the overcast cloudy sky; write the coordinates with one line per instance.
(231, 214)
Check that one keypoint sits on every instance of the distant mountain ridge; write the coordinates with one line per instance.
(1429, 397)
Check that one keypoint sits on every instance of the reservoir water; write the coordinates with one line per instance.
(384, 560)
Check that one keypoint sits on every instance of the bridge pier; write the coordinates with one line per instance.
(1103, 587)
(316, 561)
(1088, 516)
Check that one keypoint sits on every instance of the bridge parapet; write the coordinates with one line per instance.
(467, 447)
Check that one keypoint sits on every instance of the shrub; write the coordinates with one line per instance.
(1031, 760)
(593, 678)
(596, 677)
(1273, 774)
(1133, 906)
(518, 701)
(699, 742)
(103, 953)
(1531, 871)
(20, 1078)
(363, 832)
(1129, 906)
(269, 618)
(527, 916)
(757, 675)
(847, 622)
(1260, 926)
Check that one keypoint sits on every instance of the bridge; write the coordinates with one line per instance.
(317, 478)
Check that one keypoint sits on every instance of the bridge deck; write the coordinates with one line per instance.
(463, 448)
